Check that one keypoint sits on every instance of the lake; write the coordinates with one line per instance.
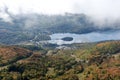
(82, 38)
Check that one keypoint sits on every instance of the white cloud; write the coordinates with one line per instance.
(109, 10)
(39, 6)
(100, 11)
(93, 7)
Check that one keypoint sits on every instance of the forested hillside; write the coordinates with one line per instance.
(95, 61)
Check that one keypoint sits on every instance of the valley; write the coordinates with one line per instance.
(58, 47)
(36, 28)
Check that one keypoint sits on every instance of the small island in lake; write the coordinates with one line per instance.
(67, 39)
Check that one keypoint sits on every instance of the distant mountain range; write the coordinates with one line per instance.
(36, 27)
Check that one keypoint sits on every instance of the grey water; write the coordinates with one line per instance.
(82, 38)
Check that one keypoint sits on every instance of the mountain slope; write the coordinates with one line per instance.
(10, 54)
(98, 61)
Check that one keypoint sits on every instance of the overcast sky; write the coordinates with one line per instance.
(96, 8)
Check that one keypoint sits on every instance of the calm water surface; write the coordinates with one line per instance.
(81, 38)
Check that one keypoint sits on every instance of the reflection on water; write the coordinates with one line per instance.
(81, 38)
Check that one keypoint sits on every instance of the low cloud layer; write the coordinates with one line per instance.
(100, 11)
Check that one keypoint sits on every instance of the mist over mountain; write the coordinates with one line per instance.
(20, 22)
(101, 12)
(25, 27)
(32, 20)
(38, 27)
